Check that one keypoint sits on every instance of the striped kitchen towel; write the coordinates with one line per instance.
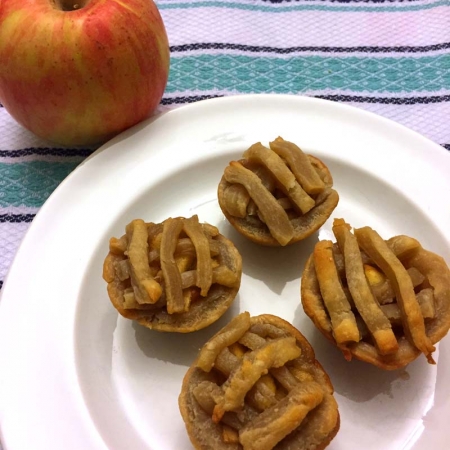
(391, 57)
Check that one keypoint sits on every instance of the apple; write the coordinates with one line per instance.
(77, 72)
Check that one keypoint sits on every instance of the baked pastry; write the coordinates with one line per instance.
(278, 195)
(178, 275)
(256, 385)
(383, 302)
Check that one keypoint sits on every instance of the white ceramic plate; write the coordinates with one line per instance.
(75, 375)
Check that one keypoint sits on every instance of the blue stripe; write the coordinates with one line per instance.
(419, 100)
(16, 218)
(31, 183)
(313, 49)
(186, 99)
(46, 151)
(387, 100)
(251, 74)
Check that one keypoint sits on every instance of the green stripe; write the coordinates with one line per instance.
(31, 183)
(304, 7)
(248, 74)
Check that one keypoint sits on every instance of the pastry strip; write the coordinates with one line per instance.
(236, 199)
(403, 246)
(146, 289)
(207, 394)
(227, 336)
(284, 376)
(260, 396)
(253, 365)
(174, 293)
(365, 302)
(259, 153)
(118, 246)
(221, 275)
(274, 215)
(201, 243)
(413, 321)
(281, 374)
(275, 423)
(342, 318)
(185, 247)
(300, 165)
(263, 394)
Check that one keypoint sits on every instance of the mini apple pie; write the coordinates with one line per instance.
(278, 195)
(178, 275)
(256, 385)
(383, 302)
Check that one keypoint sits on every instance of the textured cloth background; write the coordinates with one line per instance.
(389, 57)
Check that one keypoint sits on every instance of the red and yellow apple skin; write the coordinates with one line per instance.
(80, 77)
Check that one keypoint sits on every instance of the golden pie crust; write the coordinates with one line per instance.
(277, 196)
(383, 302)
(177, 276)
(256, 385)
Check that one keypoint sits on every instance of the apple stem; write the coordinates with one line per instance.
(68, 5)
